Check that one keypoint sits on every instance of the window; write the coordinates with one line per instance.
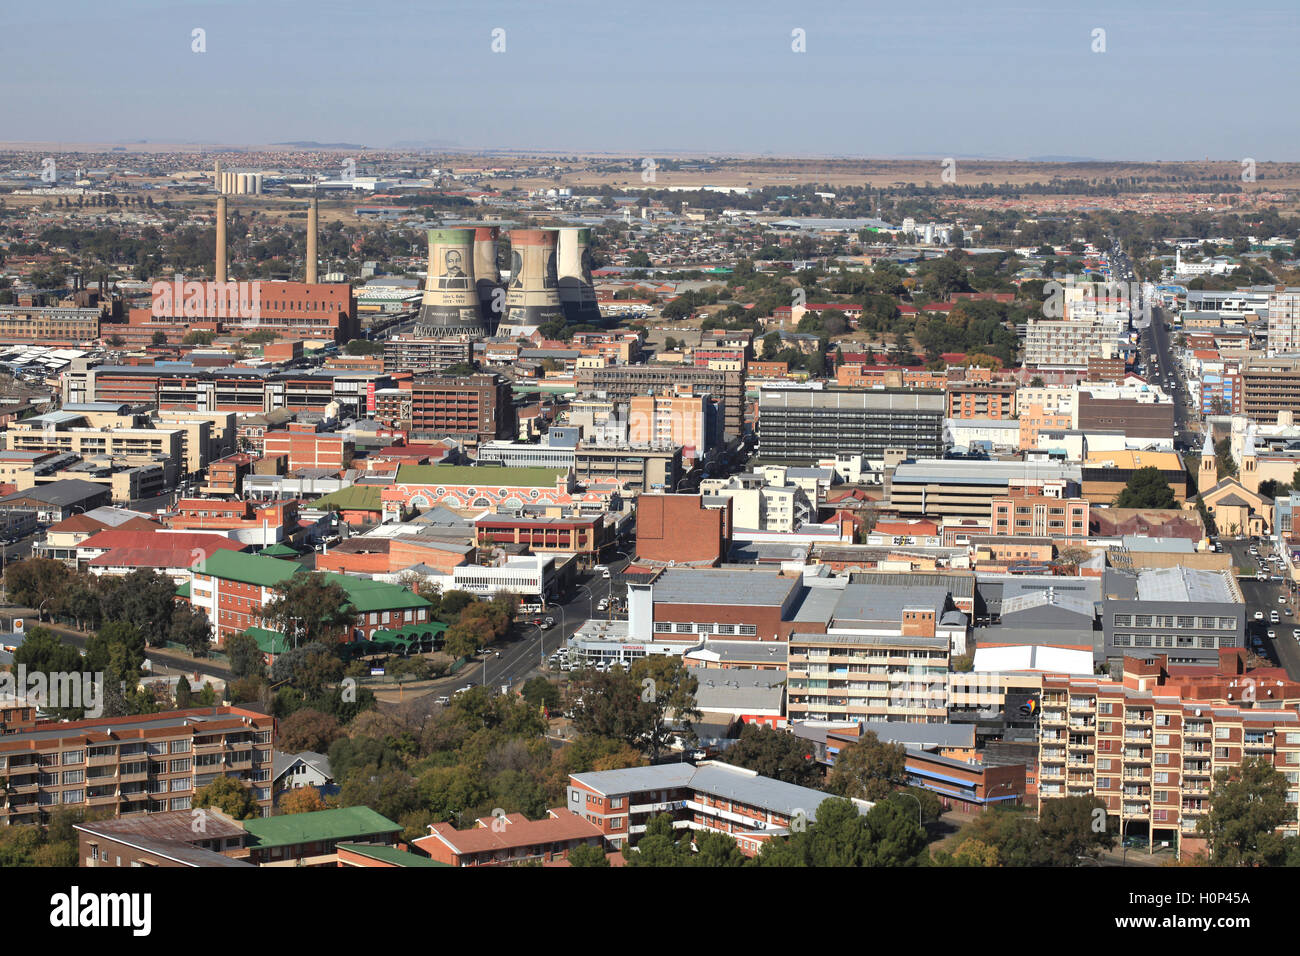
(1222, 733)
(180, 746)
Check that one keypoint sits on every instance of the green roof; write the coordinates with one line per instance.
(484, 477)
(389, 854)
(280, 550)
(247, 568)
(268, 642)
(405, 635)
(184, 590)
(352, 498)
(367, 595)
(341, 824)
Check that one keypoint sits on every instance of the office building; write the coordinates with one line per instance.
(803, 426)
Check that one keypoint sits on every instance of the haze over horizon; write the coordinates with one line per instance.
(997, 80)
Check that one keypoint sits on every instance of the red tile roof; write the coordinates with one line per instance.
(518, 831)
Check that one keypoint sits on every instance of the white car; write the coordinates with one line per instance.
(1271, 634)
(1259, 615)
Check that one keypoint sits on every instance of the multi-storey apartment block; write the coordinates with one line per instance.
(143, 764)
(1149, 747)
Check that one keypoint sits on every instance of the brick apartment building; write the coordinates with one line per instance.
(981, 400)
(419, 353)
(1149, 746)
(474, 408)
(1027, 511)
(134, 765)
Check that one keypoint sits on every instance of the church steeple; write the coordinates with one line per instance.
(1208, 476)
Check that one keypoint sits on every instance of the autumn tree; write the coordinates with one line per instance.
(302, 800)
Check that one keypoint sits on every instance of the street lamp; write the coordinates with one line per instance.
(908, 793)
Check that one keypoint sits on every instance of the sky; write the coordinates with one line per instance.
(1188, 80)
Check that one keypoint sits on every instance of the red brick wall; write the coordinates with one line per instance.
(678, 528)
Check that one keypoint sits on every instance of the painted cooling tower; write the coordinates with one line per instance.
(577, 291)
(487, 276)
(533, 297)
(450, 304)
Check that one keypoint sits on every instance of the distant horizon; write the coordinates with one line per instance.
(941, 78)
(198, 147)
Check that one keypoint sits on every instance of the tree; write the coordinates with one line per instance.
(659, 845)
(37, 582)
(868, 769)
(311, 607)
(245, 656)
(670, 689)
(308, 729)
(146, 599)
(302, 800)
(1247, 805)
(776, 754)
(587, 855)
(118, 651)
(184, 693)
(190, 629)
(1147, 488)
(540, 692)
(159, 338)
(1070, 828)
(229, 796)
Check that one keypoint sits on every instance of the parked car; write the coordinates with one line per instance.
(443, 700)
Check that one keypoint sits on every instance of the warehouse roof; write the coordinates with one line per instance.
(322, 825)
(711, 586)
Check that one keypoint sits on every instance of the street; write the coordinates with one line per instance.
(1262, 597)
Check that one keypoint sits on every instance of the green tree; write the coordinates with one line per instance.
(1247, 805)
(1147, 488)
(190, 628)
(540, 692)
(868, 769)
(184, 693)
(310, 607)
(229, 796)
(245, 656)
(776, 754)
(668, 697)
(308, 729)
(586, 855)
(1073, 828)
(37, 583)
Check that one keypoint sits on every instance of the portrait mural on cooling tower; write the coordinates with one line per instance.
(516, 270)
(550, 278)
(453, 273)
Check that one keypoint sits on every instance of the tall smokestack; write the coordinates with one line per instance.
(487, 276)
(216, 178)
(221, 239)
(533, 298)
(450, 305)
(311, 241)
(577, 289)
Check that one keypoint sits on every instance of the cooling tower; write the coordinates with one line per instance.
(577, 291)
(487, 276)
(533, 297)
(450, 305)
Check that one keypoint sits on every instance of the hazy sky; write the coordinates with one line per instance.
(970, 78)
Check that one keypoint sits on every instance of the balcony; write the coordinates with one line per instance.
(1054, 717)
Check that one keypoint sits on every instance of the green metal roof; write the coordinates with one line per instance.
(389, 854)
(366, 595)
(295, 828)
(352, 498)
(247, 568)
(268, 642)
(183, 590)
(482, 477)
(280, 550)
(412, 632)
